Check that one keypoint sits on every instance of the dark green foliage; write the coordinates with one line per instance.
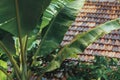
(61, 20)
(102, 68)
(29, 12)
(30, 35)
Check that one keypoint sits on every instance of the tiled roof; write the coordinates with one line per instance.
(93, 13)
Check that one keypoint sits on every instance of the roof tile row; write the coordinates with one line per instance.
(93, 14)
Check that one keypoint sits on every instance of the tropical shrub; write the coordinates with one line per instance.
(31, 33)
(102, 68)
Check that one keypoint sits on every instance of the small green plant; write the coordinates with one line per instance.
(31, 33)
(102, 68)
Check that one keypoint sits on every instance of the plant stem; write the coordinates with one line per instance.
(22, 52)
(10, 58)
(17, 75)
(25, 55)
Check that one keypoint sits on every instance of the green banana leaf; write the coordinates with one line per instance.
(52, 10)
(61, 21)
(2, 75)
(8, 41)
(21, 15)
(81, 41)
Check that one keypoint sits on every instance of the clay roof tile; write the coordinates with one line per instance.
(96, 12)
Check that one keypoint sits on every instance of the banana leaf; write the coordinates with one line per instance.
(2, 75)
(8, 41)
(53, 34)
(52, 10)
(81, 41)
(20, 17)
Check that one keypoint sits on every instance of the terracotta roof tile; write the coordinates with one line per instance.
(96, 12)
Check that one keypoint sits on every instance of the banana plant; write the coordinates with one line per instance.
(33, 31)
